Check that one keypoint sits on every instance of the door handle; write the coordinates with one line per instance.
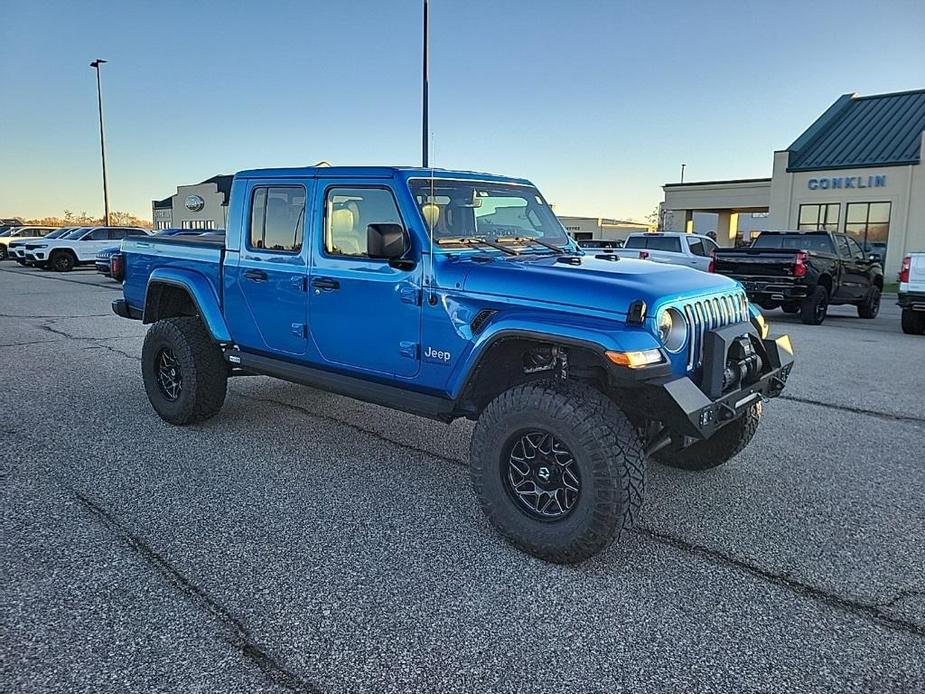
(256, 275)
(325, 283)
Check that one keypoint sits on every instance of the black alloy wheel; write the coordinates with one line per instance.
(541, 476)
(62, 262)
(169, 375)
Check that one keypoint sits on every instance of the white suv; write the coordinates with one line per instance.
(912, 294)
(18, 233)
(77, 248)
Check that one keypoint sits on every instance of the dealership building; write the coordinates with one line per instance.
(858, 169)
(602, 228)
(199, 206)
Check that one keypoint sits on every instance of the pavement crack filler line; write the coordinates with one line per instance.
(872, 611)
(856, 410)
(236, 633)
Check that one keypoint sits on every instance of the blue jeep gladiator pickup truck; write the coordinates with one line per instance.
(457, 294)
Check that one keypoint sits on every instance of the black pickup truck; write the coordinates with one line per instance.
(805, 272)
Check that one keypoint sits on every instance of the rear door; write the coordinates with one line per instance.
(271, 271)
(854, 278)
(701, 252)
(365, 312)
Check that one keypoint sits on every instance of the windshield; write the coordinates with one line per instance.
(494, 211)
(5, 232)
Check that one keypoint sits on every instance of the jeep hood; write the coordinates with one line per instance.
(587, 282)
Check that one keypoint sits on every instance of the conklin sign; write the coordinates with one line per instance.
(836, 182)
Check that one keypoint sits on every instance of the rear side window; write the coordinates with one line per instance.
(277, 218)
(97, 235)
(697, 247)
(135, 232)
(349, 211)
(664, 243)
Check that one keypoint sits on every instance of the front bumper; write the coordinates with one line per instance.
(911, 300)
(683, 408)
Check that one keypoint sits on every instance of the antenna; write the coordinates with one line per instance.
(432, 280)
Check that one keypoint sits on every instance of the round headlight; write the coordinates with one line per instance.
(672, 329)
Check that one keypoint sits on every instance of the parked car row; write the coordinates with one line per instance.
(64, 248)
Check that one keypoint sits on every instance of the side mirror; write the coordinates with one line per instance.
(387, 241)
(874, 257)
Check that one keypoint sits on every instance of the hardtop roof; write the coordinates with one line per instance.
(401, 172)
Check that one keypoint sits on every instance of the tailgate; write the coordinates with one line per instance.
(917, 273)
(755, 262)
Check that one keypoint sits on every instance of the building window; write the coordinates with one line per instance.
(869, 224)
(197, 224)
(822, 217)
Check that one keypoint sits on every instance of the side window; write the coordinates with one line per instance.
(135, 232)
(117, 234)
(697, 247)
(843, 250)
(97, 235)
(853, 248)
(347, 213)
(277, 216)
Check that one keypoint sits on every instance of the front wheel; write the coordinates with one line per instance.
(62, 261)
(184, 373)
(717, 449)
(558, 469)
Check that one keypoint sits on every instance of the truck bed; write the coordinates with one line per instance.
(203, 255)
(754, 262)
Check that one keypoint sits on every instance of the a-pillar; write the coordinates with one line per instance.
(727, 226)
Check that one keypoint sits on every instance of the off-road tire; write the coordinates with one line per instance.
(913, 322)
(3, 253)
(790, 307)
(62, 261)
(870, 307)
(200, 363)
(716, 450)
(815, 307)
(605, 446)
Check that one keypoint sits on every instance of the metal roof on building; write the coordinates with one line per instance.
(855, 131)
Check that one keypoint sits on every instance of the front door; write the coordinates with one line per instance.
(271, 272)
(365, 313)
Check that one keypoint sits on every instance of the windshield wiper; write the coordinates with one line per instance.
(478, 241)
(558, 250)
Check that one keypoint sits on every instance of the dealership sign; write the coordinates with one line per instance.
(194, 203)
(837, 182)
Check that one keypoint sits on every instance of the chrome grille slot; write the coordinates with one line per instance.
(710, 313)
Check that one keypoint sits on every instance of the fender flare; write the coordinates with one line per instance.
(200, 292)
(596, 342)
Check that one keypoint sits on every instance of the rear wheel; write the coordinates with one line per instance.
(184, 373)
(913, 322)
(62, 261)
(3, 253)
(870, 307)
(558, 469)
(717, 449)
(815, 307)
(790, 307)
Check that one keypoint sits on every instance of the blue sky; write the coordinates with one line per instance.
(596, 102)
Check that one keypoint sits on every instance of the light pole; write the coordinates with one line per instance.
(683, 166)
(99, 97)
(424, 78)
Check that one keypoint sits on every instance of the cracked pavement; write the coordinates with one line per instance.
(302, 541)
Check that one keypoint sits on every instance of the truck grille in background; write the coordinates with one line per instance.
(709, 313)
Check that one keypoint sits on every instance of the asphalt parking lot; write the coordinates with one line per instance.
(305, 542)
